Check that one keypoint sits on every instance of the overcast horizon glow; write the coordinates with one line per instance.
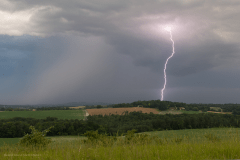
(114, 51)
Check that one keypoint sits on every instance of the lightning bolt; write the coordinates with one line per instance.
(165, 67)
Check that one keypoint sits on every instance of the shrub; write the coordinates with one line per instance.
(94, 138)
(130, 135)
(140, 139)
(36, 138)
(92, 135)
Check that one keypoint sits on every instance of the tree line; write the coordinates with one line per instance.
(165, 105)
(154, 122)
(160, 105)
(116, 124)
(18, 126)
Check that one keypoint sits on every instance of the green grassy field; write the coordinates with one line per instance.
(198, 147)
(9, 141)
(197, 135)
(193, 135)
(60, 114)
(63, 139)
(55, 139)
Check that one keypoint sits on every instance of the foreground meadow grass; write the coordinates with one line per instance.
(60, 114)
(197, 134)
(169, 150)
(217, 143)
(9, 141)
(192, 134)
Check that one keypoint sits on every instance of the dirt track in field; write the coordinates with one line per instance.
(120, 111)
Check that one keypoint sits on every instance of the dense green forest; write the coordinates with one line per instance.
(113, 124)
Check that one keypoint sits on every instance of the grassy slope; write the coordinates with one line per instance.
(55, 139)
(73, 149)
(60, 114)
(195, 135)
(8, 141)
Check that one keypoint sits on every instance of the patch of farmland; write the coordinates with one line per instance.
(82, 107)
(120, 111)
(60, 114)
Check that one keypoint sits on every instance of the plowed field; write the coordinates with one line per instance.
(120, 111)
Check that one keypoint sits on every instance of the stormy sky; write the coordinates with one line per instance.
(58, 51)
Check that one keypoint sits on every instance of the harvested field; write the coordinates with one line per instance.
(120, 111)
(82, 107)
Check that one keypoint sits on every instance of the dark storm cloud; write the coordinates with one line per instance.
(109, 49)
(203, 57)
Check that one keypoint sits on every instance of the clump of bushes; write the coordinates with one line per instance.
(94, 138)
(36, 138)
(132, 138)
